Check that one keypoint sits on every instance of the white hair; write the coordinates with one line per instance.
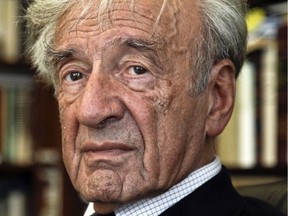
(223, 34)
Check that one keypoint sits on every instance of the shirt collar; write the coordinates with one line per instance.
(156, 205)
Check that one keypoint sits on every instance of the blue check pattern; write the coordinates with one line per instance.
(157, 205)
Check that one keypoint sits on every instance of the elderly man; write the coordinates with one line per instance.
(144, 87)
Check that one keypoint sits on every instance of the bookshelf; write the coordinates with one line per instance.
(254, 144)
(37, 182)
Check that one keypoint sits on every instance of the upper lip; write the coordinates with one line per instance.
(105, 146)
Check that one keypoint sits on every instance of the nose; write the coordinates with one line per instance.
(100, 102)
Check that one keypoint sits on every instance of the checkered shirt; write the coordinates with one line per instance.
(157, 205)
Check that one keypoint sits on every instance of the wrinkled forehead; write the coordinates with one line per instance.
(169, 19)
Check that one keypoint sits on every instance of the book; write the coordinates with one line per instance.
(16, 137)
(257, 132)
(246, 94)
(282, 93)
(16, 203)
(269, 104)
(14, 196)
(50, 193)
(10, 47)
(1, 124)
(23, 138)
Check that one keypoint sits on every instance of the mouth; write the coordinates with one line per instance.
(106, 151)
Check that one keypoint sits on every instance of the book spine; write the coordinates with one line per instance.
(269, 105)
(16, 137)
(246, 116)
(10, 31)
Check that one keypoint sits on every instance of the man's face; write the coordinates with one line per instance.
(131, 125)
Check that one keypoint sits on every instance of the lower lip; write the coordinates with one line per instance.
(107, 155)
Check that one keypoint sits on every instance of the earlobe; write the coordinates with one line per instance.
(221, 96)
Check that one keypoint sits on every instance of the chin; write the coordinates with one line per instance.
(100, 186)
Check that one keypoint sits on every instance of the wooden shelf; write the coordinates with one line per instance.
(260, 171)
(263, 3)
(17, 68)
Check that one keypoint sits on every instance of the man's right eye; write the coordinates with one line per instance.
(74, 76)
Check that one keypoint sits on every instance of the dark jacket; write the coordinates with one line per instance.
(217, 197)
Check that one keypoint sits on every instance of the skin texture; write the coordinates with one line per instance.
(131, 125)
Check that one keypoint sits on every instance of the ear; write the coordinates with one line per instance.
(221, 93)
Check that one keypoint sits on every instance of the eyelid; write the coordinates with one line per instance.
(144, 59)
(135, 60)
(71, 67)
(126, 69)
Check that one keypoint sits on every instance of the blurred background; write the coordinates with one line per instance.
(33, 180)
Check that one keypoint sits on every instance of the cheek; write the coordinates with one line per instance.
(138, 175)
(69, 133)
(158, 133)
(180, 137)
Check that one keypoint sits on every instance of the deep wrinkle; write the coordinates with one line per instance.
(145, 47)
(146, 109)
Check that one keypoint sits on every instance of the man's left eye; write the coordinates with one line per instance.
(137, 70)
(74, 76)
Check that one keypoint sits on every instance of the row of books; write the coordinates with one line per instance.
(20, 196)
(14, 197)
(256, 135)
(27, 124)
(14, 203)
(16, 146)
(50, 188)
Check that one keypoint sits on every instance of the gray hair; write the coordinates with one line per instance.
(223, 34)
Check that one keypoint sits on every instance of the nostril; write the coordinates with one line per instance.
(107, 122)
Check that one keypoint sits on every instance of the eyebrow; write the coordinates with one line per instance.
(146, 47)
(58, 56)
